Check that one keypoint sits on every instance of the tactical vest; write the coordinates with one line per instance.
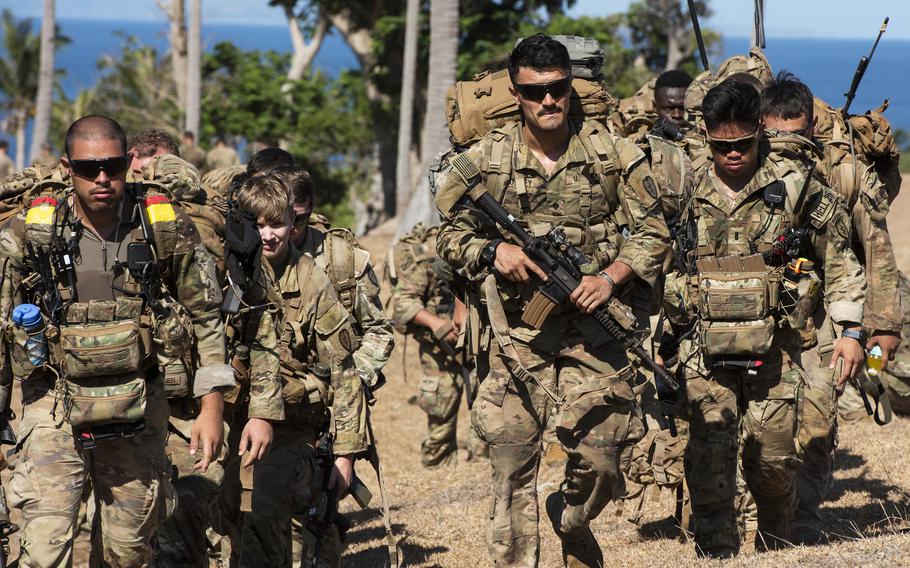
(103, 348)
(740, 298)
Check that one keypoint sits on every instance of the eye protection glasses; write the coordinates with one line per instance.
(537, 92)
(726, 145)
(89, 169)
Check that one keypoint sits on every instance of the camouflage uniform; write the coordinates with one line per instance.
(6, 166)
(768, 407)
(658, 459)
(194, 155)
(317, 368)
(867, 201)
(221, 157)
(897, 378)
(131, 475)
(418, 287)
(599, 190)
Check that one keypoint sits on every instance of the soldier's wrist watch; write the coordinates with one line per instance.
(856, 334)
(488, 254)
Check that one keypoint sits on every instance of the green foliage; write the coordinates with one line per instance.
(323, 122)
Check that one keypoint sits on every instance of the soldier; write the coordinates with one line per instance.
(148, 145)
(658, 458)
(549, 172)
(182, 540)
(100, 316)
(317, 367)
(6, 165)
(787, 108)
(46, 157)
(190, 151)
(752, 216)
(670, 97)
(425, 307)
(221, 156)
(896, 377)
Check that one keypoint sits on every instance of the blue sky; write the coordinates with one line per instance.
(795, 18)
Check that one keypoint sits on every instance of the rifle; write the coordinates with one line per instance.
(53, 261)
(7, 437)
(562, 264)
(242, 254)
(323, 513)
(697, 29)
(861, 70)
(758, 39)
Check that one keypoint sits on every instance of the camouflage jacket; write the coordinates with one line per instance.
(867, 200)
(601, 192)
(189, 278)
(180, 179)
(673, 173)
(416, 285)
(360, 296)
(317, 332)
(221, 157)
(743, 227)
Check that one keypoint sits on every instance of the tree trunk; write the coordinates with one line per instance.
(21, 120)
(435, 136)
(175, 11)
(304, 53)
(44, 100)
(406, 107)
(360, 40)
(193, 66)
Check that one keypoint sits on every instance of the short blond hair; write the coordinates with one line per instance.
(266, 196)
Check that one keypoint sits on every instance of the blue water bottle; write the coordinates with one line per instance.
(29, 318)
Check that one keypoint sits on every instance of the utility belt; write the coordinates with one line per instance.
(307, 392)
(741, 302)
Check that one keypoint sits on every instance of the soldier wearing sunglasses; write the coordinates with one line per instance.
(123, 456)
(548, 171)
(744, 374)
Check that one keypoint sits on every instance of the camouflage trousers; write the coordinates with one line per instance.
(439, 396)
(130, 475)
(283, 487)
(184, 539)
(763, 413)
(898, 390)
(598, 424)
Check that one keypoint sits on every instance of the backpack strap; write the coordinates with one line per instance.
(499, 161)
(340, 266)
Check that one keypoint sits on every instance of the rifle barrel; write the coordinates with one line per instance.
(701, 42)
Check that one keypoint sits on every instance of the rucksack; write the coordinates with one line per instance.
(18, 188)
(476, 107)
(755, 64)
(637, 114)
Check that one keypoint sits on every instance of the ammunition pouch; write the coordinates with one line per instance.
(307, 395)
(103, 349)
(737, 337)
(107, 400)
(743, 296)
(173, 340)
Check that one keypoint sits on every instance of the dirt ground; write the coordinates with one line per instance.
(441, 515)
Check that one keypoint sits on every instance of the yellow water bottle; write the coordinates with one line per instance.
(874, 361)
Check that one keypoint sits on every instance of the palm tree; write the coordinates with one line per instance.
(18, 78)
(406, 107)
(435, 135)
(44, 100)
(193, 68)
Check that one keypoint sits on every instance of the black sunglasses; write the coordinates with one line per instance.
(89, 169)
(738, 145)
(538, 91)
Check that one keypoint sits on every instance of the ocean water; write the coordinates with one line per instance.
(827, 66)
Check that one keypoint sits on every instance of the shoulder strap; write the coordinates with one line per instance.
(499, 161)
(339, 256)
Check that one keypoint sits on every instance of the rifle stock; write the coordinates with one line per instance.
(861, 70)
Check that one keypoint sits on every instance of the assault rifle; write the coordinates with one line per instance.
(323, 512)
(53, 262)
(562, 264)
(861, 70)
(242, 256)
(697, 29)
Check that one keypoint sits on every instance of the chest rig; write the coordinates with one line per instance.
(101, 350)
(747, 276)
